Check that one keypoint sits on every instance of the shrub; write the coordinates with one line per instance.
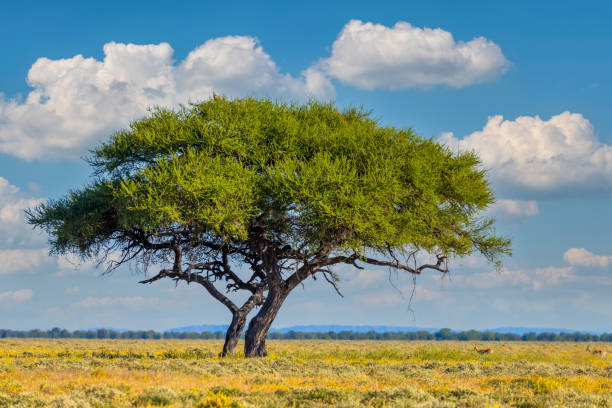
(218, 400)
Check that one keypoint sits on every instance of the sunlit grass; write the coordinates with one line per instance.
(186, 373)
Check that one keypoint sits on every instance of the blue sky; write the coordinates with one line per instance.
(526, 84)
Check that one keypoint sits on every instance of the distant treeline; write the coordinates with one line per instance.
(444, 334)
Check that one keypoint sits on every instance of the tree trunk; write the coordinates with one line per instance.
(236, 327)
(255, 339)
(234, 331)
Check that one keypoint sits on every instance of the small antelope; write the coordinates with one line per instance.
(601, 352)
(482, 351)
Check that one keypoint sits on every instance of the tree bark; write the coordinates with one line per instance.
(236, 327)
(234, 331)
(255, 338)
(278, 290)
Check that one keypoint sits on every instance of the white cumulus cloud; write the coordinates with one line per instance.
(530, 156)
(21, 295)
(372, 56)
(583, 257)
(77, 101)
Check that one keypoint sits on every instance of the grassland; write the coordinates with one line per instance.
(181, 373)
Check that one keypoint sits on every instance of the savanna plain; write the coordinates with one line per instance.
(314, 373)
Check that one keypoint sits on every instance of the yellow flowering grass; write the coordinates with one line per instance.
(188, 373)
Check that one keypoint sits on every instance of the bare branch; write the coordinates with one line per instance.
(178, 274)
(215, 293)
(332, 281)
(229, 274)
(441, 264)
(164, 273)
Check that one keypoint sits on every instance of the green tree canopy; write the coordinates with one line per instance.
(262, 195)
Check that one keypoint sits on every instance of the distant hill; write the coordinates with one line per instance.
(381, 329)
(212, 328)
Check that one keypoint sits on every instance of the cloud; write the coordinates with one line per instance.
(35, 260)
(27, 260)
(392, 297)
(22, 260)
(13, 229)
(21, 295)
(213, 67)
(77, 101)
(21, 247)
(582, 257)
(373, 56)
(364, 278)
(535, 279)
(379, 299)
(538, 305)
(73, 290)
(472, 261)
(517, 207)
(132, 302)
(513, 211)
(70, 264)
(531, 157)
(422, 293)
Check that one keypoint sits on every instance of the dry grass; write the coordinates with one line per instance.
(181, 373)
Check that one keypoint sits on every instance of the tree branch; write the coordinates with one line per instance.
(177, 274)
(332, 281)
(238, 283)
(215, 293)
(440, 265)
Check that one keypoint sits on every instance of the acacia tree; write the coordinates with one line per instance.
(253, 197)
